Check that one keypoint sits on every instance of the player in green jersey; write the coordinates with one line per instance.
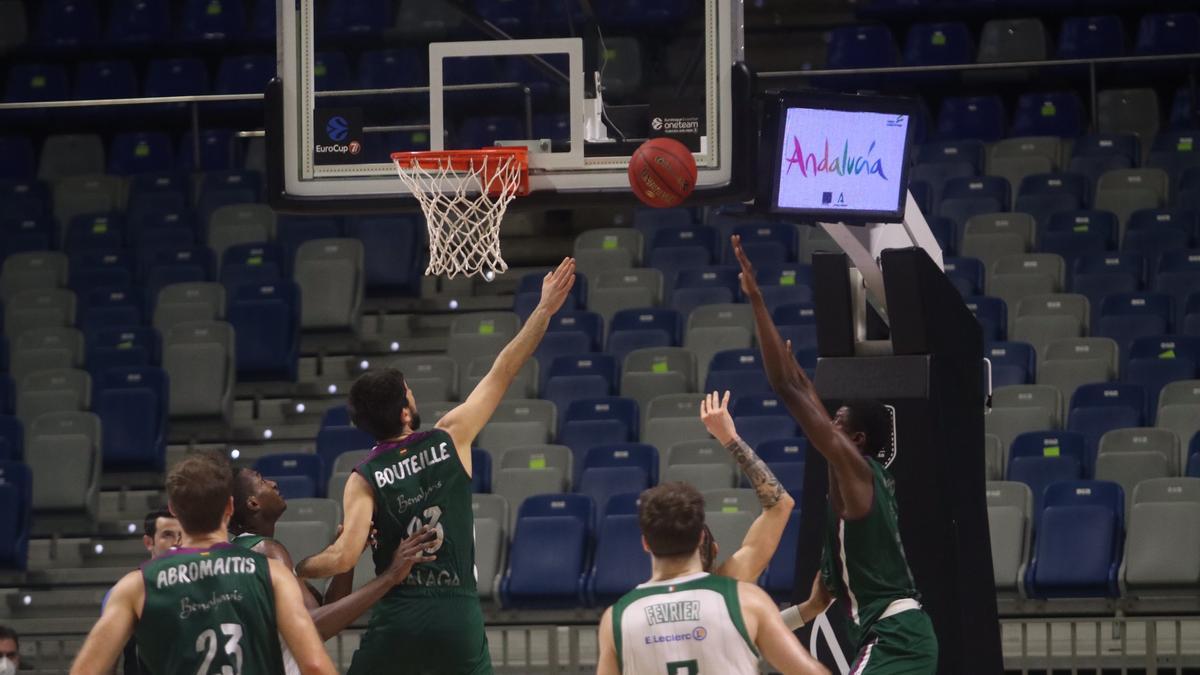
(208, 606)
(414, 479)
(685, 621)
(863, 561)
(258, 506)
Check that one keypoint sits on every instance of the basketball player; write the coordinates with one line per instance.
(413, 479)
(684, 621)
(863, 562)
(762, 539)
(208, 606)
(258, 506)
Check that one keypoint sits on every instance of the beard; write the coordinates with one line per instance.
(415, 422)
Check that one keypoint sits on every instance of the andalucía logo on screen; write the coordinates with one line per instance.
(843, 160)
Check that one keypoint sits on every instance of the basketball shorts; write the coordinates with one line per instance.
(424, 636)
(903, 644)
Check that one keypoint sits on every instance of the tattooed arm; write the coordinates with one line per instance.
(748, 562)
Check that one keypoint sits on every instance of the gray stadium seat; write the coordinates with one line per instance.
(524, 385)
(364, 570)
(67, 155)
(62, 390)
(33, 270)
(1180, 392)
(330, 275)
(715, 328)
(192, 301)
(1014, 233)
(1041, 264)
(1183, 420)
(1015, 277)
(1129, 111)
(613, 290)
(1145, 440)
(326, 511)
(557, 457)
(39, 308)
(1162, 547)
(480, 335)
(14, 26)
(657, 371)
(1127, 469)
(620, 243)
(701, 451)
(432, 377)
(337, 485)
(234, 224)
(1048, 148)
(1005, 40)
(989, 247)
(515, 485)
(304, 538)
(1066, 364)
(519, 422)
(1046, 318)
(994, 457)
(491, 541)
(703, 476)
(491, 506)
(80, 195)
(740, 500)
(1010, 507)
(671, 419)
(729, 531)
(40, 349)
(346, 461)
(67, 446)
(1124, 191)
(1100, 349)
(200, 362)
(815, 240)
(504, 324)
(1016, 168)
(1020, 408)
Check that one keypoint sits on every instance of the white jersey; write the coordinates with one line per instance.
(686, 626)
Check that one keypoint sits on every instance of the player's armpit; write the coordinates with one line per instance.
(358, 505)
(296, 626)
(607, 664)
(116, 625)
(777, 644)
(276, 551)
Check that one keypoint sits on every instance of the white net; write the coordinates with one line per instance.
(464, 200)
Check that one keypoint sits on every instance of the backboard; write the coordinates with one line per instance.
(581, 83)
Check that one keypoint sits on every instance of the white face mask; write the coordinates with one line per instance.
(7, 667)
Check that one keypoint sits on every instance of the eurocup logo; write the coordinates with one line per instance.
(656, 124)
(337, 128)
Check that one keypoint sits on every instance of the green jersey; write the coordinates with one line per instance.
(209, 611)
(419, 480)
(863, 562)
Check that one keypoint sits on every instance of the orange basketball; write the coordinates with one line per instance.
(662, 172)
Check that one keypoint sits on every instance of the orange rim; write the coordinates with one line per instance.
(460, 160)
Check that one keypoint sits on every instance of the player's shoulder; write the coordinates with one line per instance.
(753, 598)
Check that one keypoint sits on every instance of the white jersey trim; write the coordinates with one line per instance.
(846, 570)
(676, 580)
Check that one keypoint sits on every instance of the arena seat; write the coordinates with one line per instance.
(208, 22)
(1039, 458)
(655, 371)
(383, 239)
(132, 405)
(251, 263)
(176, 77)
(1161, 549)
(12, 439)
(432, 377)
(1099, 408)
(786, 457)
(529, 294)
(965, 197)
(535, 580)
(1168, 33)
(931, 44)
(1091, 37)
(71, 155)
(673, 418)
(765, 244)
(481, 471)
(105, 79)
(1010, 525)
(1048, 114)
(66, 24)
(598, 421)
(121, 346)
(971, 117)
(1103, 224)
(491, 547)
(797, 322)
(109, 306)
(620, 562)
(1069, 363)
(199, 360)
(737, 370)
(308, 468)
(1018, 409)
(1012, 363)
(25, 234)
(335, 440)
(615, 469)
(94, 232)
(703, 463)
(219, 152)
(615, 290)
(1127, 316)
(1080, 538)
(330, 275)
(1178, 275)
(16, 498)
(68, 446)
(36, 82)
(581, 376)
(608, 248)
(266, 324)
(14, 23)
(519, 422)
(780, 576)
(135, 22)
(186, 302)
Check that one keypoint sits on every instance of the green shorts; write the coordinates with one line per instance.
(424, 636)
(904, 644)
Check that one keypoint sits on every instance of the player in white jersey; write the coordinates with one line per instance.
(685, 621)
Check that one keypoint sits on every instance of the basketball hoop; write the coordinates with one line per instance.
(464, 194)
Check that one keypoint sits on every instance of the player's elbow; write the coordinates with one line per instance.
(786, 503)
(317, 664)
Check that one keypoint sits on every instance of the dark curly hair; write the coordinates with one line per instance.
(376, 402)
(873, 420)
(671, 516)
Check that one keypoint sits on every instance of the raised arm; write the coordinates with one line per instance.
(778, 645)
(116, 625)
(791, 384)
(295, 625)
(607, 664)
(464, 422)
(358, 505)
(762, 539)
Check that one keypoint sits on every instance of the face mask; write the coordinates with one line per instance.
(7, 667)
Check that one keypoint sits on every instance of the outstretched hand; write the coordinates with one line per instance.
(714, 413)
(749, 281)
(557, 284)
(411, 552)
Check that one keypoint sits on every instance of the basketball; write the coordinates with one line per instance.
(662, 173)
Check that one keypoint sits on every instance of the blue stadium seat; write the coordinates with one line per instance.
(1091, 37)
(1166, 347)
(393, 252)
(970, 151)
(870, 46)
(559, 344)
(218, 151)
(173, 265)
(17, 158)
(1039, 458)
(294, 487)
(1045, 194)
(262, 21)
(266, 323)
(529, 294)
(971, 117)
(94, 232)
(1072, 244)
(140, 152)
(481, 471)
(1178, 275)
(764, 243)
(640, 456)
(105, 79)
(511, 16)
(1169, 33)
(331, 71)
(12, 439)
(780, 578)
(786, 456)
(620, 562)
(177, 77)
(1081, 536)
(797, 322)
(1012, 363)
(1126, 264)
(212, 20)
(138, 22)
(992, 315)
(966, 274)
(684, 300)
(757, 429)
(26, 234)
(109, 308)
(103, 267)
(966, 197)
(335, 440)
(154, 192)
(244, 75)
(355, 18)
(598, 421)
(581, 376)
(390, 68)
(589, 325)
(132, 405)
(1152, 242)
(36, 82)
(1171, 219)
(1102, 224)
(721, 278)
(1175, 152)
(1100, 407)
(246, 264)
(641, 328)
(481, 132)
(1127, 316)
(67, 23)
(126, 346)
(650, 221)
(16, 503)
(8, 394)
(562, 523)
(1152, 374)
(335, 416)
(602, 483)
(1193, 462)
(294, 465)
(936, 44)
(1048, 114)
(737, 370)
(292, 231)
